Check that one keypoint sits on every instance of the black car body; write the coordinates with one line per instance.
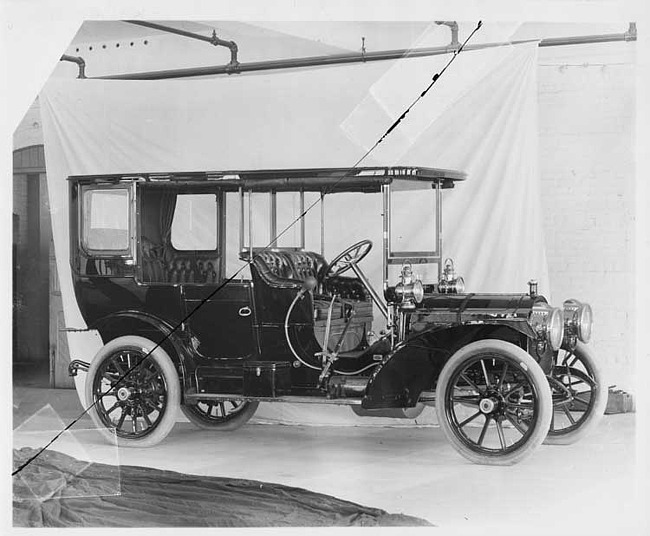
(148, 257)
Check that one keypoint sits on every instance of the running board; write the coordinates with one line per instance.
(427, 397)
(289, 399)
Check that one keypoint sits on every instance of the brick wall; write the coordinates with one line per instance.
(587, 165)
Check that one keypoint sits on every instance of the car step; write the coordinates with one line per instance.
(427, 397)
(292, 399)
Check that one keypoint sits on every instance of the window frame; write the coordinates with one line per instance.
(391, 257)
(217, 210)
(131, 222)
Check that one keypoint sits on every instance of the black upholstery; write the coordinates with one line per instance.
(288, 269)
(164, 265)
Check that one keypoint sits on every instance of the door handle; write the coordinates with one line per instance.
(245, 311)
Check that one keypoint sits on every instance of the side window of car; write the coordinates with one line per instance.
(106, 221)
(194, 225)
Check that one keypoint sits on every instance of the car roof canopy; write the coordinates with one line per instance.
(328, 180)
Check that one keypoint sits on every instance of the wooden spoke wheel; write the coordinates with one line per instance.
(221, 415)
(579, 397)
(134, 391)
(493, 402)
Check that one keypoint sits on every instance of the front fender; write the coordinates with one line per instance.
(407, 372)
(414, 365)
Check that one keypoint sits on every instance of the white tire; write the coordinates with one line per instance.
(579, 372)
(220, 415)
(493, 402)
(138, 408)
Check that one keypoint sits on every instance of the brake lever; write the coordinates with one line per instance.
(331, 357)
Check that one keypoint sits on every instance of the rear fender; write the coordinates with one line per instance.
(153, 328)
(415, 364)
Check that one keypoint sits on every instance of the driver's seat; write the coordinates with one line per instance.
(287, 268)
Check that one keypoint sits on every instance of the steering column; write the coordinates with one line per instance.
(349, 259)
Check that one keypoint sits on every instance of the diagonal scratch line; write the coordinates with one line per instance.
(233, 276)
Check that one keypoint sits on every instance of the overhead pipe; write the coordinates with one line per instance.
(356, 57)
(453, 26)
(293, 63)
(79, 61)
(629, 35)
(213, 40)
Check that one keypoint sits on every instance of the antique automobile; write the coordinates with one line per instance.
(506, 372)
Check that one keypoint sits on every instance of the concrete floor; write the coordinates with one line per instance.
(584, 488)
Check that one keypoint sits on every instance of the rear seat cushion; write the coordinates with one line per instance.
(162, 265)
(189, 269)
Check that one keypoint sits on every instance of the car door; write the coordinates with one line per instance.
(222, 323)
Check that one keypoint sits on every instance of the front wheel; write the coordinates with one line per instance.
(579, 396)
(220, 415)
(134, 390)
(493, 402)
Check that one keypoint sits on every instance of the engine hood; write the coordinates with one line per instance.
(508, 305)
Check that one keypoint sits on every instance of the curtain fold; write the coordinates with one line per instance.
(167, 206)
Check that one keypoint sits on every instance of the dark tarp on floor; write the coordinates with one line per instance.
(152, 497)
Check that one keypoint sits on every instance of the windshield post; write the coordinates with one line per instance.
(250, 225)
(241, 219)
(439, 226)
(273, 224)
(302, 218)
(386, 217)
(322, 223)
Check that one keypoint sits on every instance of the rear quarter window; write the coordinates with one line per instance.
(106, 220)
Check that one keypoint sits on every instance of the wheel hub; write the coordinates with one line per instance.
(123, 394)
(487, 405)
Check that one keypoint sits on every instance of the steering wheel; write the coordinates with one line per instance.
(352, 255)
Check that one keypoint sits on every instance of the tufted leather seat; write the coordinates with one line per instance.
(162, 265)
(190, 269)
(287, 268)
(307, 263)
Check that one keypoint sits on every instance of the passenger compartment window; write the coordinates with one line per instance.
(194, 226)
(106, 220)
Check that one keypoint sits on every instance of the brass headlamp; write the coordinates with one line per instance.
(449, 282)
(578, 321)
(409, 290)
(548, 323)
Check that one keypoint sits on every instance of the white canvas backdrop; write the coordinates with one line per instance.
(480, 118)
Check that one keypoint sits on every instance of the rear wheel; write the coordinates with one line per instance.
(579, 398)
(134, 391)
(220, 415)
(493, 403)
